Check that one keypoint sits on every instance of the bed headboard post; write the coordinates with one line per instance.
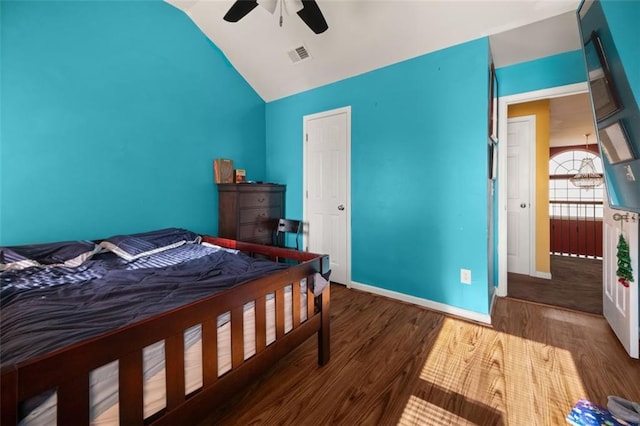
(324, 352)
(325, 265)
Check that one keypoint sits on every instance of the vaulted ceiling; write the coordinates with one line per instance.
(368, 34)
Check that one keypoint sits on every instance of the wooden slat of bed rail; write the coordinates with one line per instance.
(174, 353)
(261, 324)
(295, 297)
(310, 298)
(210, 352)
(237, 336)
(324, 352)
(73, 401)
(210, 397)
(130, 389)
(279, 313)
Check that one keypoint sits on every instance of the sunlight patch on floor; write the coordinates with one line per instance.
(421, 412)
(524, 373)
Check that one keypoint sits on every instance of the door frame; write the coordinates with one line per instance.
(531, 229)
(503, 104)
(305, 119)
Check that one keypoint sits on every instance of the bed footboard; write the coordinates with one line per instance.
(68, 370)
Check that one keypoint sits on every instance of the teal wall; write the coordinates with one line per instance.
(112, 113)
(552, 71)
(418, 171)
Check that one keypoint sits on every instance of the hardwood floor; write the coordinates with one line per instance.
(576, 284)
(398, 364)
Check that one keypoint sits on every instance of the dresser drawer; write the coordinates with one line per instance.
(260, 215)
(259, 199)
(255, 232)
(267, 241)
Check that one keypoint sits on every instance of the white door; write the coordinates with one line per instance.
(620, 303)
(327, 208)
(520, 191)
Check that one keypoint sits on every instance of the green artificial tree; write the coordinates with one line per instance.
(624, 272)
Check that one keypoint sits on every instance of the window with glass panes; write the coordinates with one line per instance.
(571, 201)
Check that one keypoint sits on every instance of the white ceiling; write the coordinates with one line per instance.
(570, 119)
(364, 35)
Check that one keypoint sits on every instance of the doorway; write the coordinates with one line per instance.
(569, 281)
(327, 188)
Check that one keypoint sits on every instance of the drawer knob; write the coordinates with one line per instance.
(261, 200)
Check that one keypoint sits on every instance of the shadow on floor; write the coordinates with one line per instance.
(576, 283)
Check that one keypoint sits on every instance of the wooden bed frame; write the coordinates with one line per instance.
(68, 369)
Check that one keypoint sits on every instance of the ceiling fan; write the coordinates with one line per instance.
(307, 10)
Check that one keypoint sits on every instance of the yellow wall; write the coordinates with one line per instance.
(541, 110)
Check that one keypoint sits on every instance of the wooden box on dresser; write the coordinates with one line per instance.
(249, 211)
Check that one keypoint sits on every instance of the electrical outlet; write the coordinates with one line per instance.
(465, 276)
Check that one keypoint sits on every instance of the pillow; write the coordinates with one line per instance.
(9, 260)
(67, 253)
(135, 246)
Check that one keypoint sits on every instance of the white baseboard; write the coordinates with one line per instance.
(545, 275)
(500, 291)
(436, 306)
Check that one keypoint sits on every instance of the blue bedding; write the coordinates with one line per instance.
(46, 308)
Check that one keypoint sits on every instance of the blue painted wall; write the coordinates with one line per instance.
(112, 113)
(552, 71)
(418, 171)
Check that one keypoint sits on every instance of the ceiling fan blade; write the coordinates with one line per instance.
(312, 16)
(240, 9)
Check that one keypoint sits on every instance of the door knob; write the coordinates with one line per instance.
(523, 205)
(341, 207)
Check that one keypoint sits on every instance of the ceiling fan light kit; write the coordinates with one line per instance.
(307, 10)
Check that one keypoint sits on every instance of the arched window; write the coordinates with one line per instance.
(565, 198)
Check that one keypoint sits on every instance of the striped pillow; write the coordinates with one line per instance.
(135, 246)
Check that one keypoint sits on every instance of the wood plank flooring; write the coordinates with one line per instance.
(398, 364)
(576, 283)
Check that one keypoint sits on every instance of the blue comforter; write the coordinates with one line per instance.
(48, 308)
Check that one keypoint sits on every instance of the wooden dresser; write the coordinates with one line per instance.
(249, 211)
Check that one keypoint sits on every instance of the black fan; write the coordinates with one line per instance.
(310, 13)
